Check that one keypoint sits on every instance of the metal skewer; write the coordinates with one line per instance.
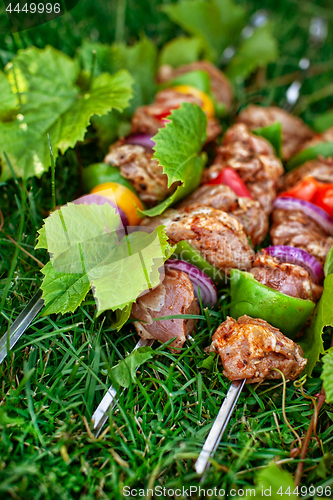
(214, 437)
(101, 414)
(21, 323)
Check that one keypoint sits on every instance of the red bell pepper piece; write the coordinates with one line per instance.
(324, 197)
(305, 189)
(229, 177)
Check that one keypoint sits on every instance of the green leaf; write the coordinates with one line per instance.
(272, 479)
(124, 373)
(327, 375)
(53, 103)
(9, 101)
(62, 293)
(87, 252)
(254, 52)
(323, 122)
(180, 51)
(218, 23)
(324, 149)
(273, 134)
(140, 60)
(328, 266)
(177, 149)
(208, 363)
(312, 342)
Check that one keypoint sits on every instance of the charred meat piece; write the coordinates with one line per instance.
(254, 160)
(286, 278)
(248, 212)
(145, 174)
(321, 170)
(220, 85)
(252, 349)
(216, 235)
(173, 296)
(294, 228)
(146, 118)
(294, 131)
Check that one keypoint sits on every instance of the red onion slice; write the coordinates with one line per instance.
(143, 140)
(200, 279)
(97, 199)
(315, 213)
(299, 257)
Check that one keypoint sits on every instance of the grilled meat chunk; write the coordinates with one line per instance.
(252, 349)
(286, 278)
(248, 212)
(294, 131)
(146, 118)
(220, 85)
(294, 228)
(254, 160)
(321, 170)
(173, 296)
(144, 173)
(216, 235)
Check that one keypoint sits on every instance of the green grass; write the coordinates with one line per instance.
(59, 371)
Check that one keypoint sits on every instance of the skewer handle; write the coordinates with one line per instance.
(109, 401)
(219, 426)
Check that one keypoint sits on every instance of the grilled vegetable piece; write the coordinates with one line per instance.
(148, 119)
(253, 349)
(145, 174)
(124, 198)
(257, 300)
(247, 211)
(295, 228)
(295, 133)
(218, 237)
(254, 160)
(286, 278)
(173, 296)
(321, 170)
(220, 85)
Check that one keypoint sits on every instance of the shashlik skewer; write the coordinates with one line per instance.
(109, 401)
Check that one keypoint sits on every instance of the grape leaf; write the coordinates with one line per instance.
(9, 100)
(124, 373)
(218, 23)
(88, 249)
(180, 51)
(312, 342)
(256, 51)
(51, 102)
(177, 148)
(272, 482)
(327, 375)
(138, 59)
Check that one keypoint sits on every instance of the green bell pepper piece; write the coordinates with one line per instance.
(273, 134)
(250, 297)
(324, 149)
(185, 251)
(98, 173)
